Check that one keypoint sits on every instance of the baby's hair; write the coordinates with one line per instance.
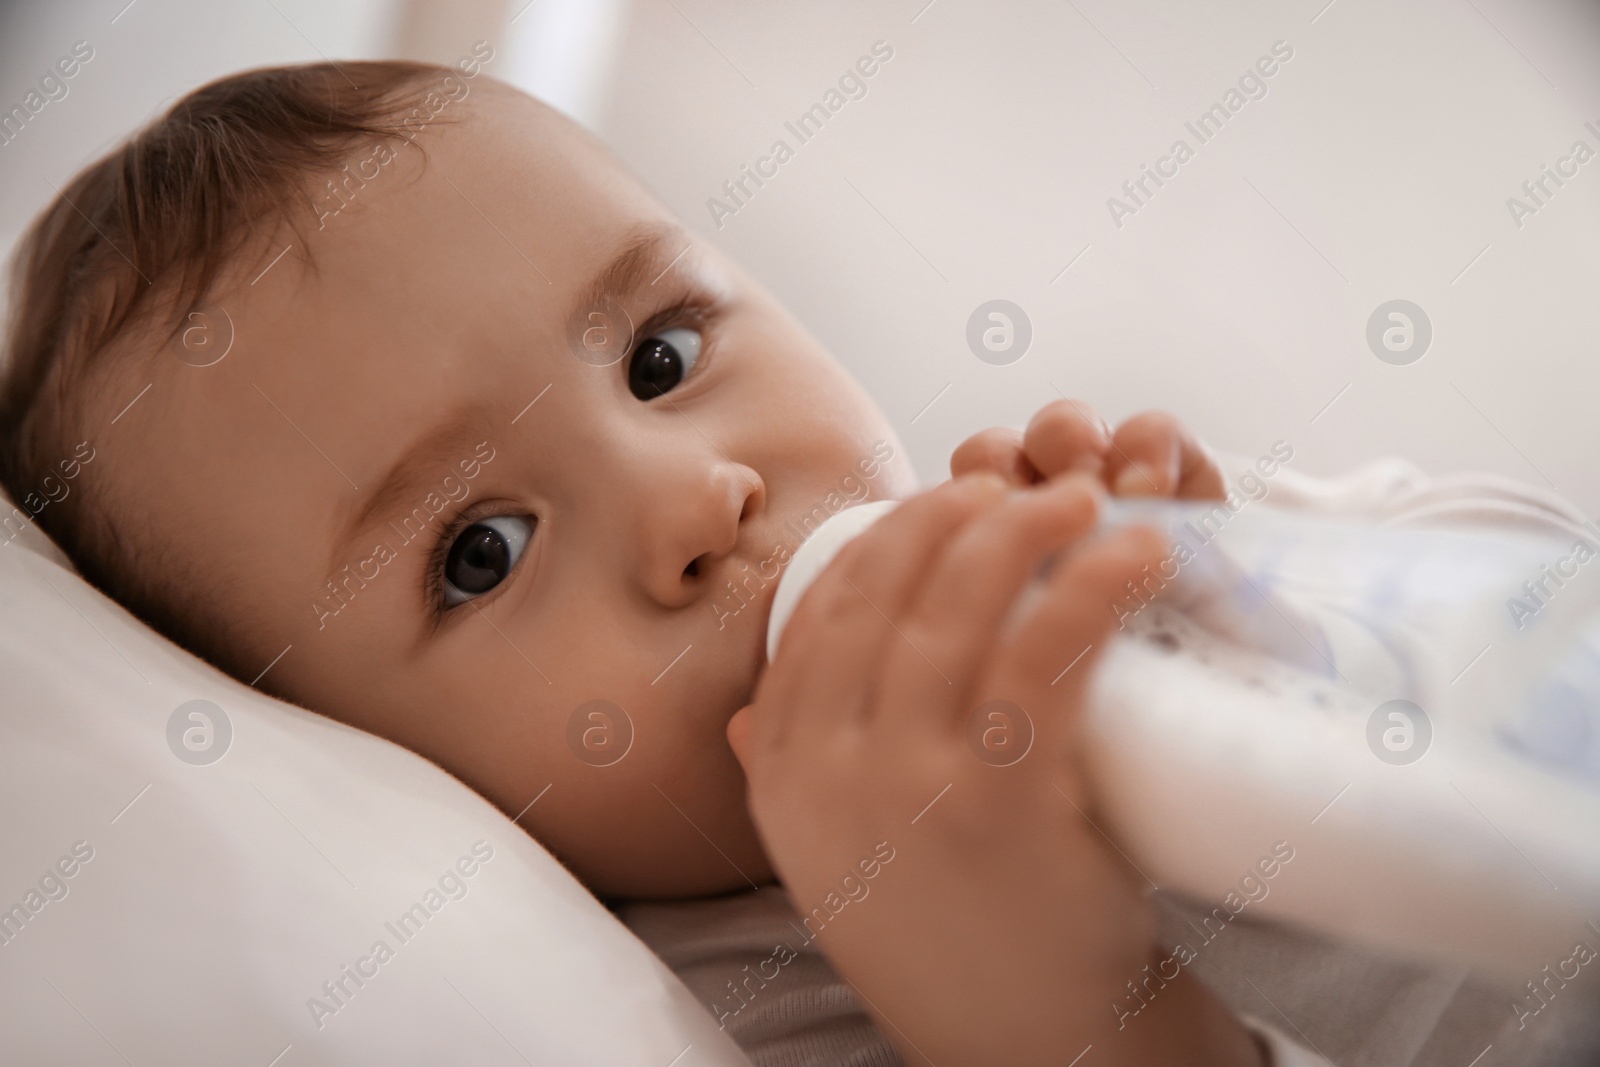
(111, 269)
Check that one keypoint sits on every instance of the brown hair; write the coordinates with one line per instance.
(128, 248)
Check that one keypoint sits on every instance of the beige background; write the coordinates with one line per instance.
(978, 166)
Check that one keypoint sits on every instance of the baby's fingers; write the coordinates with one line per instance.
(949, 631)
(830, 654)
(1153, 454)
(1051, 653)
(997, 450)
(1067, 435)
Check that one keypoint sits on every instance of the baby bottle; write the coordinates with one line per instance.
(1381, 704)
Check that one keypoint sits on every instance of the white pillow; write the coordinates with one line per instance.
(162, 911)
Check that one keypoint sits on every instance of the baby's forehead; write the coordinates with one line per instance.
(505, 218)
(505, 174)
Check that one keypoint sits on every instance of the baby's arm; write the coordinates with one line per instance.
(1004, 926)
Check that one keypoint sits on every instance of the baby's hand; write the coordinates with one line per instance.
(974, 906)
(1152, 454)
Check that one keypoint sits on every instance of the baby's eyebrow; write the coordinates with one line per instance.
(420, 469)
(639, 261)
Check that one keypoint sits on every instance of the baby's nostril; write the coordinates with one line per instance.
(692, 570)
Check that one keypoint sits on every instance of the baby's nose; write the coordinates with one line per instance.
(692, 524)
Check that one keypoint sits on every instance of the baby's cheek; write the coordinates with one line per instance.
(623, 772)
(657, 822)
(739, 734)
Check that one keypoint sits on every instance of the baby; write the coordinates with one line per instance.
(408, 404)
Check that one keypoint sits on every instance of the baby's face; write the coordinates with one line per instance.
(510, 531)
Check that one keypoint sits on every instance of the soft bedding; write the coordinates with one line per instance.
(196, 873)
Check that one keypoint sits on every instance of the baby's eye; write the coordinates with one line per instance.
(662, 361)
(483, 554)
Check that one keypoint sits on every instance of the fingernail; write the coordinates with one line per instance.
(988, 479)
(1135, 480)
